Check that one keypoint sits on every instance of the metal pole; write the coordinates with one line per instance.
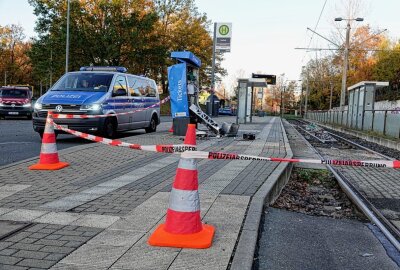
(345, 66)
(51, 67)
(5, 77)
(262, 97)
(67, 43)
(245, 104)
(252, 103)
(283, 102)
(330, 99)
(238, 104)
(306, 100)
(213, 70)
(301, 100)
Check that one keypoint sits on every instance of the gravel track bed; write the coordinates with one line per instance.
(373, 146)
(316, 192)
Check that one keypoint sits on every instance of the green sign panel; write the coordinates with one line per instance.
(224, 30)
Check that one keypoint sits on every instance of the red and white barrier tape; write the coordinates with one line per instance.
(161, 148)
(84, 116)
(233, 156)
(190, 151)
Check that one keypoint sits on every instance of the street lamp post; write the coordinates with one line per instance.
(213, 71)
(67, 43)
(330, 98)
(346, 59)
(282, 106)
(307, 93)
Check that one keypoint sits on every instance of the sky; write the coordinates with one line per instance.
(265, 33)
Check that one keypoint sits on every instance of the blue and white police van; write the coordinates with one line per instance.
(100, 90)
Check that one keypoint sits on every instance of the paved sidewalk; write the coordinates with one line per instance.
(98, 212)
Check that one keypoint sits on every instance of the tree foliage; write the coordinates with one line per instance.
(137, 34)
(372, 57)
(14, 64)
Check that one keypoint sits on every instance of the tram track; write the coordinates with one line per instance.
(360, 193)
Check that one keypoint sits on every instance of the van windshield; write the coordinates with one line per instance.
(94, 82)
(15, 93)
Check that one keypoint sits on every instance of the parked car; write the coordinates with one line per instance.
(15, 101)
(226, 111)
(100, 90)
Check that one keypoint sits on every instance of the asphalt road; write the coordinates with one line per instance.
(291, 240)
(18, 140)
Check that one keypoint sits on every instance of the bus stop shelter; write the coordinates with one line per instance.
(245, 97)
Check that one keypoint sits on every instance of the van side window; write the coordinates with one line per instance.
(142, 87)
(149, 89)
(120, 83)
(133, 87)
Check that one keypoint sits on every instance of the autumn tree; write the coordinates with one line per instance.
(138, 34)
(14, 64)
(326, 72)
(181, 27)
(362, 54)
(101, 33)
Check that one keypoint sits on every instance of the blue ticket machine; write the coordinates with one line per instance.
(183, 83)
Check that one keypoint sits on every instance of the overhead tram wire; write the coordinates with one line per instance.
(315, 28)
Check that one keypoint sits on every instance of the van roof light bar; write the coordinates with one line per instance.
(103, 68)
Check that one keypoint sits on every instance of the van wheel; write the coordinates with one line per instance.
(153, 125)
(110, 128)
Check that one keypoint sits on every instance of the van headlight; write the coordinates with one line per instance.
(37, 106)
(27, 105)
(91, 107)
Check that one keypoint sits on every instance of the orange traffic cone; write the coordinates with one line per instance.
(183, 227)
(48, 152)
(171, 129)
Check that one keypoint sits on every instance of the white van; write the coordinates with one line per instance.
(101, 90)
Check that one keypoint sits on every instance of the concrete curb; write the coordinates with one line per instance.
(268, 192)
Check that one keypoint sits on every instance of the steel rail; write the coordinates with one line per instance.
(368, 209)
(363, 203)
(312, 135)
(360, 146)
(351, 142)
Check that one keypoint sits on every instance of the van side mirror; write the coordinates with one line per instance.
(120, 92)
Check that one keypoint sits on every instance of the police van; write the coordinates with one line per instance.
(101, 90)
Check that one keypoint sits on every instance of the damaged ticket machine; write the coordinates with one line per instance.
(183, 82)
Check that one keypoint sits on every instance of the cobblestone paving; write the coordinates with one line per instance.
(42, 245)
(87, 168)
(122, 200)
(373, 182)
(130, 210)
(255, 172)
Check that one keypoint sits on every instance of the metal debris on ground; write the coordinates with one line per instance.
(249, 136)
